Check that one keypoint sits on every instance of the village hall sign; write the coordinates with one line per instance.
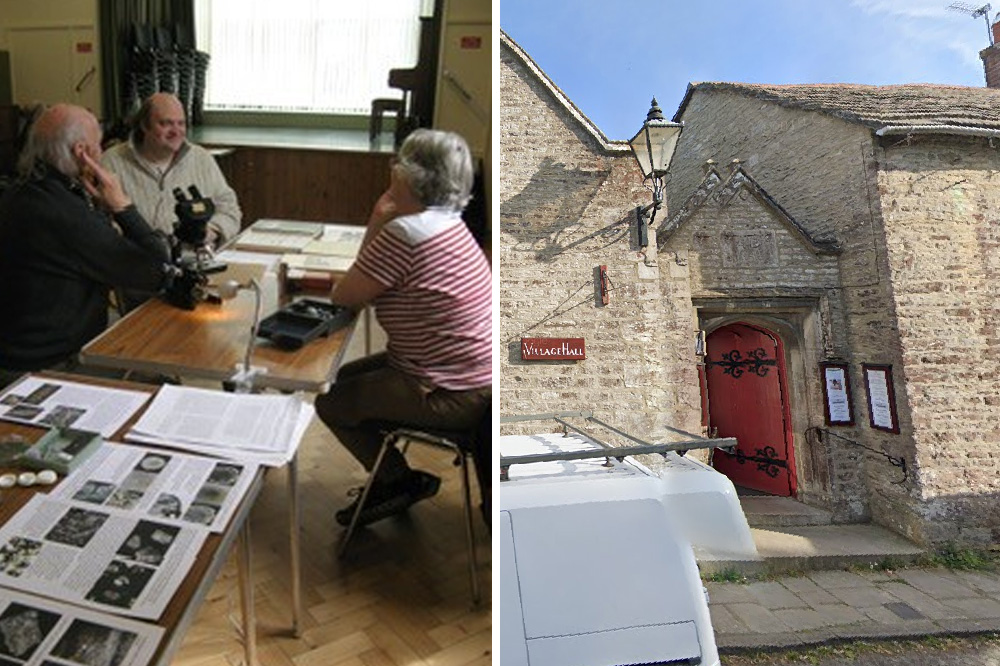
(552, 349)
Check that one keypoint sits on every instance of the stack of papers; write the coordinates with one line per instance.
(311, 229)
(166, 486)
(272, 241)
(96, 558)
(324, 263)
(55, 403)
(264, 429)
(341, 240)
(41, 631)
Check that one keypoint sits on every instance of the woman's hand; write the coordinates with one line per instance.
(384, 211)
(102, 185)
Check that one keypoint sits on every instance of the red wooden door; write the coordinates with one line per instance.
(745, 382)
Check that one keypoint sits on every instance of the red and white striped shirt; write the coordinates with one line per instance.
(437, 308)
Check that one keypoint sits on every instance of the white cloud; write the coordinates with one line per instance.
(933, 24)
(913, 9)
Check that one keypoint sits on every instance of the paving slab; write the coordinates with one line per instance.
(773, 595)
(938, 584)
(831, 580)
(827, 583)
(802, 619)
(860, 597)
(983, 581)
(757, 619)
(976, 608)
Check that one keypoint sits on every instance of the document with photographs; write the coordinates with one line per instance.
(42, 632)
(249, 427)
(165, 486)
(46, 402)
(96, 558)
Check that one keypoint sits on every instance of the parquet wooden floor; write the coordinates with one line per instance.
(400, 596)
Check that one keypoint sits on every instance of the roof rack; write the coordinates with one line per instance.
(619, 452)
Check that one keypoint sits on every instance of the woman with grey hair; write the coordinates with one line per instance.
(430, 284)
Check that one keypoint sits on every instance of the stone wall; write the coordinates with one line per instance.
(744, 260)
(821, 170)
(567, 206)
(941, 205)
(916, 221)
(913, 288)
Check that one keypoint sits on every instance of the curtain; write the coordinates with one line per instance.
(306, 55)
(117, 19)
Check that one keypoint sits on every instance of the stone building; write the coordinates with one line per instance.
(833, 248)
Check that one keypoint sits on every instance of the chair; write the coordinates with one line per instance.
(475, 444)
(380, 107)
(416, 109)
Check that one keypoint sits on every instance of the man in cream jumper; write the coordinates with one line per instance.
(157, 159)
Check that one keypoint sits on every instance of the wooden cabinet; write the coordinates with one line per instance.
(307, 184)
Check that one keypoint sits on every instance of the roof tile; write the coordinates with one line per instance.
(876, 106)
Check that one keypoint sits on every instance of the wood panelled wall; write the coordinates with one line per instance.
(306, 184)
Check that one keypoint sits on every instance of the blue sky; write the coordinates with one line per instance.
(611, 56)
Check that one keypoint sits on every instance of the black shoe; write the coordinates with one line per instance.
(422, 485)
(388, 500)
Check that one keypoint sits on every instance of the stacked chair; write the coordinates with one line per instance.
(164, 59)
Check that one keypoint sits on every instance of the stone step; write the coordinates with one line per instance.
(815, 547)
(768, 512)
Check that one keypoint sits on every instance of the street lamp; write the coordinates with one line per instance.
(653, 148)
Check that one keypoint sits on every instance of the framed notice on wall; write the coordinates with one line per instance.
(881, 397)
(837, 403)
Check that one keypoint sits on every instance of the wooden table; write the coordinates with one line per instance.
(209, 342)
(184, 606)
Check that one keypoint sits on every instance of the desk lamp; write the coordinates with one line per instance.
(242, 380)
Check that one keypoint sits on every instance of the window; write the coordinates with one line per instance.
(307, 56)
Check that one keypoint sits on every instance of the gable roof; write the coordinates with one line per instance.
(560, 97)
(715, 187)
(912, 105)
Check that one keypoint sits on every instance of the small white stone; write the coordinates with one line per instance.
(27, 479)
(8, 480)
(47, 477)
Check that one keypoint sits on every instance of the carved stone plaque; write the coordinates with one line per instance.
(749, 249)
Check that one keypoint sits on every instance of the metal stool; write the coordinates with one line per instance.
(460, 443)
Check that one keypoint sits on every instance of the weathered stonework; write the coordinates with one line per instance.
(568, 200)
(852, 247)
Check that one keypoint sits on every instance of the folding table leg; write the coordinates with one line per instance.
(246, 596)
(295, 526)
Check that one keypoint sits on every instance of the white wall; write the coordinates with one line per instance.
(464, 89)
(48, 42)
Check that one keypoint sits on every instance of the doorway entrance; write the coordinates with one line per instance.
(747, 398)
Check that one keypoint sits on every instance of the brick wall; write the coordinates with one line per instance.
(991, 58)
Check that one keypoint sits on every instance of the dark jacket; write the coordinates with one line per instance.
(58, 258)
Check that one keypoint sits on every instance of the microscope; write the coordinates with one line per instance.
(192, 257)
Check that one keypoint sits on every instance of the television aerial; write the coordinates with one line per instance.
(975, 12)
